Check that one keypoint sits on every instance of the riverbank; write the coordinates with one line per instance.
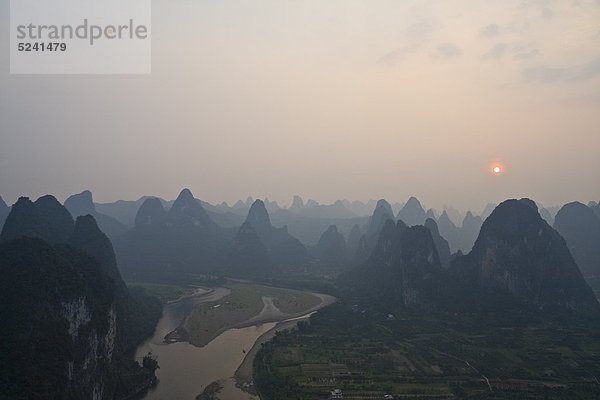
(186, 370)
(247, 305)
(184, 306)
(196, 291)
(244, 374)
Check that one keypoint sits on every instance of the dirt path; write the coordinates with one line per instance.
(199, 291)
(270, 312)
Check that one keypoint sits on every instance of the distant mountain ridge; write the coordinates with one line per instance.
(166, 244)
(83, 204)
(285, 250)
(248, 256)
(331, 250)
(382, 213)
(404, 267)
(580, 227)
(412, 213)
(516, 254)
(441, 244)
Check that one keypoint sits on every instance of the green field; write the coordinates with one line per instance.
(208, 320)
(164, 292)
(428, 356)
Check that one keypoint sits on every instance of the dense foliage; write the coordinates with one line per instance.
(71, 324)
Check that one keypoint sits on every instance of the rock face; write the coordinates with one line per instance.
(248, 256)
(441, 244)
(71, 323)
(69, 332)
(151, 212)
(382, 213)
(83, 204)
(412, 213)
(517, 252)
(131, 315)
(285, 250)
(404, 267)
(331, 249)
(580, 227)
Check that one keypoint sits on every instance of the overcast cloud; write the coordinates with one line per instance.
(348, 99)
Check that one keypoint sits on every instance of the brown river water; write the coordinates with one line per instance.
(185, 370)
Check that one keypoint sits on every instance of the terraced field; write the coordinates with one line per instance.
(417, 356)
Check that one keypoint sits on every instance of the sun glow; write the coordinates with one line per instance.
(497, 169)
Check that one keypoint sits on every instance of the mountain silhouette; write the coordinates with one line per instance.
(382, 213)
(404, 267)
(284, 249)
(441, 244)
(248, 256)
(580, 227)
(83, 204)
(412, 213)
(519, 253)
(331, 249)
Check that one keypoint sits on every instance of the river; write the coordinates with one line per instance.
(185, 370)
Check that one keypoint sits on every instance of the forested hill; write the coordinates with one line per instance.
(70, 324)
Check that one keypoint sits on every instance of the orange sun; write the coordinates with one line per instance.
(497, 169)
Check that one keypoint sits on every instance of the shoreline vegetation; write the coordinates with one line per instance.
(169, 293)
(211, 391)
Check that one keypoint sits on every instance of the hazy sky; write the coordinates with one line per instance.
(327, 99)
